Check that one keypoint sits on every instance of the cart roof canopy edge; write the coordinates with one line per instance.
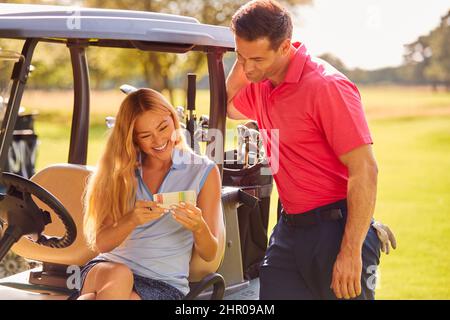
(108, 27)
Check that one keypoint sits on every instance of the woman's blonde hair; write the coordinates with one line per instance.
(111, 190)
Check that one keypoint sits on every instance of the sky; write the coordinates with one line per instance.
(368, 34)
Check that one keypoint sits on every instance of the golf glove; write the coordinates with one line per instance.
(386, 236)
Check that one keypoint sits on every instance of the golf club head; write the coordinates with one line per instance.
(127, 89)
(203, 121)
(251, 125)
(180, 113)
(254, 135)
(110, 122)
(242, 132)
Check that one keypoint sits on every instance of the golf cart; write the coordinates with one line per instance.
(41, 217)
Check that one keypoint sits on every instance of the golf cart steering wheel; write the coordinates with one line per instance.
(25, 218)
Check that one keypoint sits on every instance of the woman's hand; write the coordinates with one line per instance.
(146, 211)
(113, 235)
(189, 216)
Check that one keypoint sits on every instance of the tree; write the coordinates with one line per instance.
(438, 69)
(430, 55)
(334, 61)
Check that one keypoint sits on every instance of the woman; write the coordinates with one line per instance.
(145, 250)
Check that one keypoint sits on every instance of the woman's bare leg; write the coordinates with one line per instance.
(108, 281)
(92, 296)
(87, 296)
(134, 296)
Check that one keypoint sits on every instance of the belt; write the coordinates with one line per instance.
(315, 216)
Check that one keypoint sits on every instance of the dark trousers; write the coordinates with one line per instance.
(299, 261)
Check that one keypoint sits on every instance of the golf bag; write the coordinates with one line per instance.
(22, 152)
(256, 188)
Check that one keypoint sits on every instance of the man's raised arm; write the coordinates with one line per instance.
(236, 81)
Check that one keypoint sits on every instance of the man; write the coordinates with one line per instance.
(323, 247)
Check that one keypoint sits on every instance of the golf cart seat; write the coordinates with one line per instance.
(67, 183)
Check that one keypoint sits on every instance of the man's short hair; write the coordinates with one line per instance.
(260, 19)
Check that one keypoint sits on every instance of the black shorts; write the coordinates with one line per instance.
(146, 288)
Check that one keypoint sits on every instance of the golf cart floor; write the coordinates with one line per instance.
(9, 289)
(251, 292)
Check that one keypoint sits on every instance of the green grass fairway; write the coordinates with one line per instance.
(414, 199)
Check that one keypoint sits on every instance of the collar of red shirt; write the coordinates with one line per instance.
(296, 64)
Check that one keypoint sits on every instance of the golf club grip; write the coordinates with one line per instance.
(192, 78)
(191, 129)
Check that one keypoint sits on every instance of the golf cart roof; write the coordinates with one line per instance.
(105, 27)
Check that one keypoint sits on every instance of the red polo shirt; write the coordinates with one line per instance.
(319, 115)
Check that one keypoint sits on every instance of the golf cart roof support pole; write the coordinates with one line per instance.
(20, 75)
(218, 103)
(80, 118)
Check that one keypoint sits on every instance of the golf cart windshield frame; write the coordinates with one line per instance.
(108, 27)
